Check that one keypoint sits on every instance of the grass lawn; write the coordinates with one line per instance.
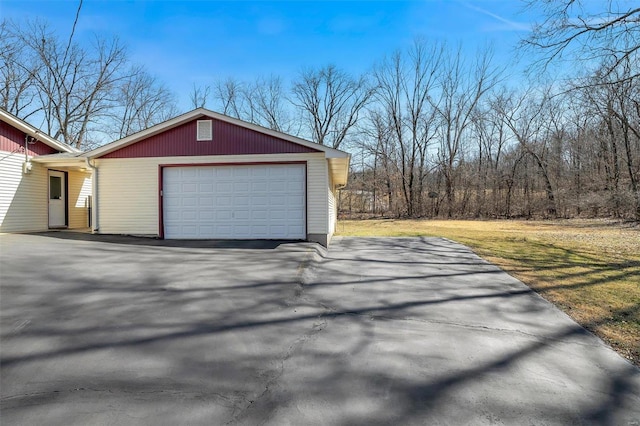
(588, 268)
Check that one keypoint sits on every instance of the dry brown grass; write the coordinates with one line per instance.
(589, 268)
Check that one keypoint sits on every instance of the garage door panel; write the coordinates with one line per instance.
(278, 200)
(257, 187)
(294, 229)
(258, 230)
(259, 172)
(224, 187)
(206, 229)
(171, 203)
(188, 173)
(240, 172)
(189, 230)
(190, 187)
(172, 187)
(204, 188)
(222, 215)
(233, 202)
(278, 229)
(296, 187)
(205, 215)
(189, 214)
(205, 173)
(223, 172)
(206, 201)
(242, 215)
(295, 213)
(278, 214)
(241, 186)
(259, 215)
(259, 201)
(294, 216)
(277, 187)
(226, 201)
(242, 201)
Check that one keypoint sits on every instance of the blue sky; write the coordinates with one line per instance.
(187, 42)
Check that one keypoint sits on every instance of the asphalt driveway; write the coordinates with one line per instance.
(123, 331)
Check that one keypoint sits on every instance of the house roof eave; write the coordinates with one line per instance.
(339, 169)
(36, 133)
(63, 161)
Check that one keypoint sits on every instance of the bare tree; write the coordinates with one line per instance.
(78, 92)
(572, 29)
(267, 104)
(199, 96)
(75, 85)
(331, 101)
(17, 72)
(262, 102)
(462, 87)
(617, 102)
(627, 112)
(491, 137)
(377, 140)
(404, 82)
(229, 94)
(140, 101)
(525, 115)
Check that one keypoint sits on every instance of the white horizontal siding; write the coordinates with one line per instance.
(317, 181)
(128, 189)
(332, 211)
(79, 192)
(23, 198)
(128, 196)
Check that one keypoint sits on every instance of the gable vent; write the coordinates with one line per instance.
(205, 130)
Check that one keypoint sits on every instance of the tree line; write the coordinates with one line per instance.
(434, 132)
(83, 96)
(479, 149)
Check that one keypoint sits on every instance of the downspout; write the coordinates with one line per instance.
(94, 197)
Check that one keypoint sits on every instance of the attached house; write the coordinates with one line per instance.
(34, 195)
(203, 175)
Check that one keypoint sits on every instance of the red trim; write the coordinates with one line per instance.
(228, 139)
(266, 163)
(236, 163)
(12, 140)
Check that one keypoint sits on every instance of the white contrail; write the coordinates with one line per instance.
(512, 24)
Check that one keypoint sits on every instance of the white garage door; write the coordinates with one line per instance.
(234, 202)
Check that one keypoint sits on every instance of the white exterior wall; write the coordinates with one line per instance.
(128, 190)
(79, 192)
(23, 198)
(333, 207)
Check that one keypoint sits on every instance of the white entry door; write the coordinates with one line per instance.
(57, 200)
(235, 202)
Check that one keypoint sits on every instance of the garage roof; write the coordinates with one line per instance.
(338, 160)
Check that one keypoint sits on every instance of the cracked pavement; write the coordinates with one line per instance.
(122, 330)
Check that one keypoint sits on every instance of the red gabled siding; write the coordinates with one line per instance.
(12, 140)
(228, 139)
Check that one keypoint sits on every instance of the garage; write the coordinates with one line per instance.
(204, 175)
(265, 201)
